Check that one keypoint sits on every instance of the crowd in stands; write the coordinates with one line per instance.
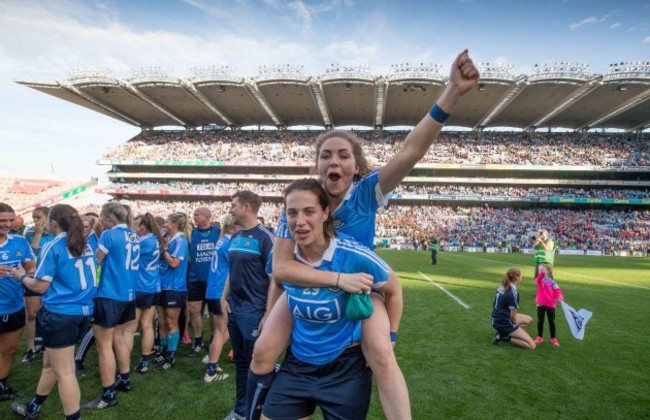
(475, 226)
(489, 147)
(26, 190)
(226, 188)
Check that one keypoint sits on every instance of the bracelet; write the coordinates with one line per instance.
(393, 336)
(22, 277)
(165, 250)
(338, 277)
(438, 114)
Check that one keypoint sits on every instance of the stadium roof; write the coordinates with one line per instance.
(563, 95)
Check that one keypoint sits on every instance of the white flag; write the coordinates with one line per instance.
(577, 320)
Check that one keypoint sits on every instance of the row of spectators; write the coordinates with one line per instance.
(419, 189)
(26, 190)
(476, 226)
(576, 149)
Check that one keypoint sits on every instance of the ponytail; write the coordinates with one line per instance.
(69, 221)
(510, 277)
(149, 220)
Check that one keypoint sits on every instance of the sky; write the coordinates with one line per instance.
(44, 40)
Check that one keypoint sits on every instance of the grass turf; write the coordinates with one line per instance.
(445, 350)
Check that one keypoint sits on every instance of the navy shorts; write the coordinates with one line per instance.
(110, 313)
(341, 388)
(29, 292)
(505, 328)
(196, 291)
(144, 300)
(13, 322)
(214, 306)
(172, 299)
(59, 331)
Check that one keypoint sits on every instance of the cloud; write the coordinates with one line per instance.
(586, 21)
(302, 12)
(614, 25)
(646, 40)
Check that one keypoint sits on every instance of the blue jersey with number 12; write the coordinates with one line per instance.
(120, 266)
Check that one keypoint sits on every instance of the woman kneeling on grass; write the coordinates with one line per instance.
(324, 366)
(505, 319)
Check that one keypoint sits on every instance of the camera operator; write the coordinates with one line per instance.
(544, 249)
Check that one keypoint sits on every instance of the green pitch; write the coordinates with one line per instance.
(445, 351)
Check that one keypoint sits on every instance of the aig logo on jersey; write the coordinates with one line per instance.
(207, 246)
(315, 310)
(131, 237)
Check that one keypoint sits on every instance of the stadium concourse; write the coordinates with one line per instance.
(475, 190)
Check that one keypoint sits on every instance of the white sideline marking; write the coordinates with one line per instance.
(458, 301)
(557, 271)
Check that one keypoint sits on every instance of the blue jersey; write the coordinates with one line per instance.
(93, 241)
(321, 329)
(219, 269)
(175, 278)
(45, 238)
(355, 216)
(504, 302)
(249, 285)
(202, 246)
(121, 264)
(13, 252)
(73, 280)
(148, 276)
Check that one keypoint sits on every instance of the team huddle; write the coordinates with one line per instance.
(297, 290)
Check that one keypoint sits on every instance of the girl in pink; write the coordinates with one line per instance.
(548, 293)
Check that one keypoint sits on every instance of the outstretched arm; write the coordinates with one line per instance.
(462, 78)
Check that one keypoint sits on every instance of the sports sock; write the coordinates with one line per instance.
(109, 392)
(74, 416)
(198, 341)
(34, 406)
(256, 390)
(124, 377)
(172, 341)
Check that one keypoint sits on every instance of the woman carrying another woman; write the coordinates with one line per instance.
(355, 194)
(325, 366)
(67, 279)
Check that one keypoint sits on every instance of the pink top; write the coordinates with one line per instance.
(548, 292)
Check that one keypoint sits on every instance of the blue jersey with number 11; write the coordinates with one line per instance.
(73, 280)
(120, 266)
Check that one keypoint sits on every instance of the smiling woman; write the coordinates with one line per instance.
(325, 343)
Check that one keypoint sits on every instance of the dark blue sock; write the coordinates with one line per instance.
(109, 392)
(74, 416)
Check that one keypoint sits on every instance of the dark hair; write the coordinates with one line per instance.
(357, 149)
(44, 210)
(315, 187)
(250, 198)
(149, 221)
(69, 221)
(6, 208)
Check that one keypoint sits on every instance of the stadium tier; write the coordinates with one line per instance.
(488, 192)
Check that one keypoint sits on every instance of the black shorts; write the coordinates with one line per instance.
(58, 331)
(341, 388)
(29, 293)
(172, 299)
(110, 313)
(13, 322)
(196, 291)
(214, 306)
(144, 300)
(505, 328)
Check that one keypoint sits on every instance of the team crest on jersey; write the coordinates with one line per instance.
(338, 223)
(19, 253)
